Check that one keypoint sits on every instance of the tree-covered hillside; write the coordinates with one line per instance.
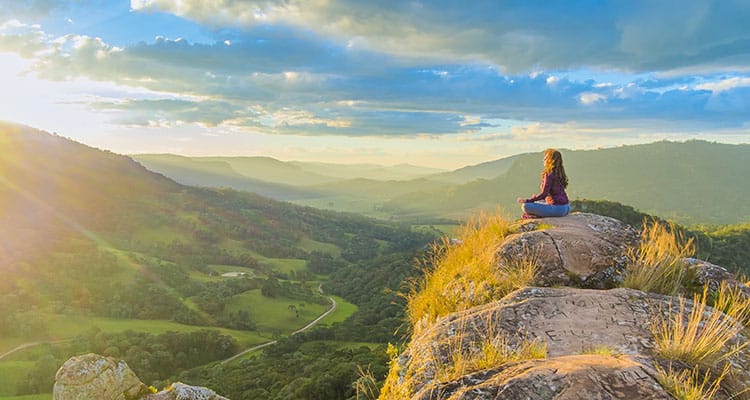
(690, 182)
(92, 240)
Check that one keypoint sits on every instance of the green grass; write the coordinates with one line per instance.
(163, 234)
(201, 277)
(9, 343)
(273, 314)
(341, 344)
(68, 326)
(45, 396)
(450, 230)
(285, 265)
(312, 245)
(11, 373)
(344, 310)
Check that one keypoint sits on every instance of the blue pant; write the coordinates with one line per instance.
(546, 210)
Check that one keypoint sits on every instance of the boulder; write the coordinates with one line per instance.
(581, 249)
(92, 376)
(181, 391)
(704, 273)
(570, 321)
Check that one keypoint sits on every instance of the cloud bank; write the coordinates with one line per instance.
(412, 69)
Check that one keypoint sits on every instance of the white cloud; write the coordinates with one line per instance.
(589, 98)
(725, 84)
(520, 36)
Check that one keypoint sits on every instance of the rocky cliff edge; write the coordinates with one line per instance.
(575, 334)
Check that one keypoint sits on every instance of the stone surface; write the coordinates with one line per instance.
(584, 377)
(92, 376)
(712, 275)
(181, 391)
(582, 250)
(570, 321)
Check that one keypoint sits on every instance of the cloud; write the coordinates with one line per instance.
(279, 80)
(725, 84)
(517, 36)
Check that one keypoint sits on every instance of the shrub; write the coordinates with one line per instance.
(698, 337)
(656, 264)
(690, 384)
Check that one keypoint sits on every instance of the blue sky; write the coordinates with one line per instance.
(438, 83)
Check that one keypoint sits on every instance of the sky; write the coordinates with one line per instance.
(435, 83)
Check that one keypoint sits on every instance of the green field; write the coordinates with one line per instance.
(312, 245)
(344, 310)
(11, 373)
(45, 396)
(285, 265)
(68, 326)
(449, 230)
(164, 234)
(340, 344)
(273, 314)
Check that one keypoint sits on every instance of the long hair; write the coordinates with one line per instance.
(553, 164)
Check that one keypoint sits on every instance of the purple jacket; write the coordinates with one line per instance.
(552, 191)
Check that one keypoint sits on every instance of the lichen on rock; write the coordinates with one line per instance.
(91, 376)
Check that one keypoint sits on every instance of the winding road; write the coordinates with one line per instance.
(31, 344)
(240, 354)
(304, 328)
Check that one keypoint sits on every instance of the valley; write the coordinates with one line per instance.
(99, 268)
(103, 255)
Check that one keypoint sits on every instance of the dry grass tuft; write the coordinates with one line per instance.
(698, 337)
(690, 384)
(366, 386)
(395, 386)
(600, 349)
(467, 274)
(490, 352)
(655, 265)
(730, 300)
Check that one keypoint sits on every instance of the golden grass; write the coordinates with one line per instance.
(467, 274)
(730, 300)
(366, 386)
(698, 337)
(490, 352)
(690, 384)
(655, 265)
(600, 349)
(396, 387)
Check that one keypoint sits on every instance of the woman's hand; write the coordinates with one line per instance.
(521, 200)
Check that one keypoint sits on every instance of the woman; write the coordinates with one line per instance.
(554, 182)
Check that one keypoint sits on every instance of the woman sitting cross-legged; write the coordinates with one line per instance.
(554, 182)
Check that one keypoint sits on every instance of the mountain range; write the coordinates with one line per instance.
(689, 182)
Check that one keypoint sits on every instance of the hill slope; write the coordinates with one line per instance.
(691, 182)
(234, 173)
(89, 238)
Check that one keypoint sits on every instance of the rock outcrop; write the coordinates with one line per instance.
(572, 322)
(92, 376)
(583, 250)
(599, 338)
